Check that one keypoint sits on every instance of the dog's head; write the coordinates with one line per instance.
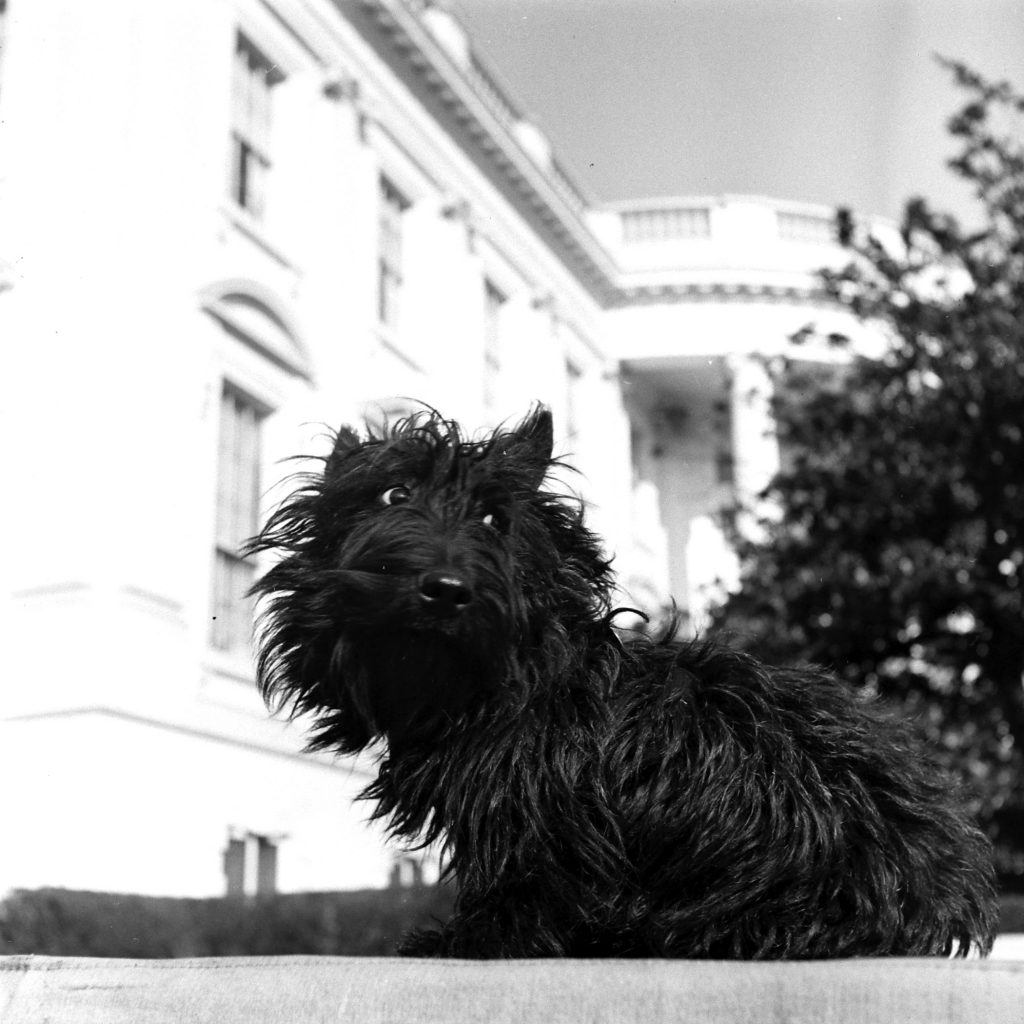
(419, 570)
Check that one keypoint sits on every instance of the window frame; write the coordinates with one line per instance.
(393, 205)
(237, 509)
(252, 102)
(495, 303)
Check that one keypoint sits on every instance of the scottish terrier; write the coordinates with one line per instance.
(593, 796)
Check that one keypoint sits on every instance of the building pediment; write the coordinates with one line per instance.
(258, 318)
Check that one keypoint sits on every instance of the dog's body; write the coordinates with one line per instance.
(594, 798)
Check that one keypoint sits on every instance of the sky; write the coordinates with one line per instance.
(827, 101)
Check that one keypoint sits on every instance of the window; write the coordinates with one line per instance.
(250, 864)
(238, 489)
(494, 300)
(393, 206)
(254, 78)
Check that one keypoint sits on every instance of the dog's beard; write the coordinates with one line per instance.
(413, 682)
(406, 667)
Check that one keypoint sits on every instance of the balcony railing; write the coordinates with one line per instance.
(810, 228)
(492, 94)
(665, 223)
(670, 221)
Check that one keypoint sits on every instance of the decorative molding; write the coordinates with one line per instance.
(61, 588)
(477, 100)
(327, 761)
(340, 86)
(136, 597)
(544, 302)
(457, 208)
(166, 606)
(389, 342)
(717, 291)
(257, 317)
(244, 222)
(550, 195)
(459, 211)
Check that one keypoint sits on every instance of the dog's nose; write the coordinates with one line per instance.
(444, 591)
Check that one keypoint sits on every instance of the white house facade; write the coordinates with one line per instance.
(225, 223)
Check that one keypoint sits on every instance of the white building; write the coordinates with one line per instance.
(225, 222)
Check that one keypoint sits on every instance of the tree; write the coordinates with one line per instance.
(894, 549)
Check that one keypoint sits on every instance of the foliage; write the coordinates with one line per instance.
(894, 548)
(62, 922)
(1011, 918)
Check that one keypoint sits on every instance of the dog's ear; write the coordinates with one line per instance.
(344, 441)
(528, 446)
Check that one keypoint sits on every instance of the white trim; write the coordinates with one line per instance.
(256, 316)
(497, 267)
(241, 220)
(270, 33)
(360, 768)
(396, 163)
(390, 342)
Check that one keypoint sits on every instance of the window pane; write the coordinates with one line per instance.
(494, 300)
(231, 618)
(390, 214)
(236, 170)
(240, 88)
(256, 170)
(389, 287)
(252, 80)
(226, 485)
(237, 519)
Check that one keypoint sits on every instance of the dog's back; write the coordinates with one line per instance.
(776, 814)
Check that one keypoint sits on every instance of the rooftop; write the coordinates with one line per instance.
(644, 249)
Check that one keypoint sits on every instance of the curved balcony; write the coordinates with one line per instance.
(718, 245)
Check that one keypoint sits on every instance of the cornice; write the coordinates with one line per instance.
(557, 202)
(716, 291)
(270, 744)
(469, 90)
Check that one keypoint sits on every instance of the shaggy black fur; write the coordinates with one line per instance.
(594, 798)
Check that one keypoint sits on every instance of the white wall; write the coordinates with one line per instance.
(134, 282)
(135, 745)
(98, 801)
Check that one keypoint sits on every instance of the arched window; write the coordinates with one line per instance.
(258, 321)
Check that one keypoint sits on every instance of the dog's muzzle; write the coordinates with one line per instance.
(444, 593)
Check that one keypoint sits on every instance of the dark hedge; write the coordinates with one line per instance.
(63, 922)
(1012, 917)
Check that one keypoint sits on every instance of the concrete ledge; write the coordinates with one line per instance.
(385, 991)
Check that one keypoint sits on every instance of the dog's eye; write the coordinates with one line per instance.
(395, 496)
(494, 520)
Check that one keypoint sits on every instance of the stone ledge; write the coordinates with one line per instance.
(375, 991)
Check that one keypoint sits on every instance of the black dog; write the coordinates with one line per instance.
(594, 797)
